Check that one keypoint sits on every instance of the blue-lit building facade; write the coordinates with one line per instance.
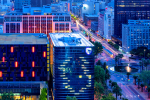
(128, 9)
(23, 64)
(72, 66)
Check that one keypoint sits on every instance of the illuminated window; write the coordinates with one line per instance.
(22, 73)
(16, 64)
(44, 54)
(66, 86)
(33, 64)
(33, 49)
(89, 76)
(12, 49)
(1, 73)
(33, 74)
(3, 59)
(80, 76)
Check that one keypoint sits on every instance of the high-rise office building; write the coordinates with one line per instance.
(37, 21)
(72, 66)
(40, 3)
(129, 9)
(135, 34)
(24, 64)
(106, 23)
(18, 4)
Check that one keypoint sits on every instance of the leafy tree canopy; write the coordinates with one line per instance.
(109, 97)
(43, 95)
(99, 74)
(145, 77)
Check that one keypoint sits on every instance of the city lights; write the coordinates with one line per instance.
(44, 54)
(22, 73)
(3, 59)
(33, 74)
(16, 64)
(1, 73)
(12, 49)
(33, 49)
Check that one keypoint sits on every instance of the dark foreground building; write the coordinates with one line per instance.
(72, 66)
(23, 64)
(129, 9)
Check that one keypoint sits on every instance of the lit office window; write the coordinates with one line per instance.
(1, 73)
(33, 49)
(22, 73)
(33, 74)
(12, 49)
(16, 64)
(80, 76)
(33, 64)
(3, 59)
(44, 54)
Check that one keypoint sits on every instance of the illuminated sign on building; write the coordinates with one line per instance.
(88, 51)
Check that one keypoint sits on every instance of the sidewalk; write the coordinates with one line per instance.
(144, 94)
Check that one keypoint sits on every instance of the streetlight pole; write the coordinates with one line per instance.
(144, 53)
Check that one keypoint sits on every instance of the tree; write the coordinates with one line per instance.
(99, 74)
(110, 82)
(43, 95)
(107, 75)
(68, 98)
(133, 52)
(142, 85)
(128, 73)
(116, 46)
(109, 97)
(142, 62)
(145, 77)
(148, 55)
(120, 56)
(120, 94)
(113, 84)
(141, 65)
(98, 89)
(135, 77)
(98, 48)
(146, 63)
(148, 91)
(99, 63)
(141, 54)
(74, 98)
(117, 90)
(104, 66)
(8, 96)
(139, 80)
(116, 60)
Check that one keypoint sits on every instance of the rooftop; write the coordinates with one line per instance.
(92, 15)
(25, 38)
(69, 39)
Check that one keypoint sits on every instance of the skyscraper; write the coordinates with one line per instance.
(18, 4)
(72, 66)
(129, 9)
(40, 3)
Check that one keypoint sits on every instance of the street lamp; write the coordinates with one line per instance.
(144, 53)
(128, 68)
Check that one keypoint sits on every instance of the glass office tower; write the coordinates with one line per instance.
(72, 66)
(129, 9)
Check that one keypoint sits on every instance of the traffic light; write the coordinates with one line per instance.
(107, 67)
(128, 79)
